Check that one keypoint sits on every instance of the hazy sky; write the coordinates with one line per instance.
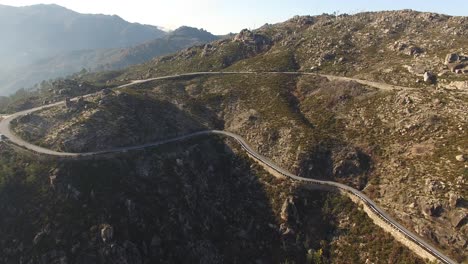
(223, 16)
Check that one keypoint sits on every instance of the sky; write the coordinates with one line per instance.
(222, 16)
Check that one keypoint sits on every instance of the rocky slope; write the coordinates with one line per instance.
(407, 149)
(387, 143)
(196, 202)
(396, 47)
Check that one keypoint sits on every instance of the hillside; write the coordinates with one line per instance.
(406, 148)
(66, 63)
(196, 202)
(396, 47)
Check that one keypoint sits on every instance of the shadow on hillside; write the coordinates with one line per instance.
(338, 161)
(198, 201)
(191, 202)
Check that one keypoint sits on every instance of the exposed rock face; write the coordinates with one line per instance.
(451, 58)
(433, 209)
(429, 77)
(457, 63)
(328, 56)
(458, 218)
(107, 233)
(302, 21)
(289, 210)
(350, 162)
(207, 50)
(260, 42)
(455, 200)
(407, 48)
(458, 85)
(53, 175)
(39, 237)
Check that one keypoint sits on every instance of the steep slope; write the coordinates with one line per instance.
(314, 127)
(194, 202)
(100, 59)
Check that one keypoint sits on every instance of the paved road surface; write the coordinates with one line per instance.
(11, 137)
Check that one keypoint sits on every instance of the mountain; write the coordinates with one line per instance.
(100, 59)
(40, 31)
(392, 47)
(375, 100)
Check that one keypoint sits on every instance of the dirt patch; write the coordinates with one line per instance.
(422, 149)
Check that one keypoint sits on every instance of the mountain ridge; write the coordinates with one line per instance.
(35, 32)
(114, 44)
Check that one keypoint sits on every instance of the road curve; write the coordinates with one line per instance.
(12, 138)
(374, 207)
(5, 124)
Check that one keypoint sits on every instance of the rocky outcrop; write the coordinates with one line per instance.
(458, 218)
(460, 158)
(350, 162)
(455, 200)
(433, 209)
(407, 48)
(429, 77)
(456, 85)
(289, 211)
(260, 42)
(457, 63)
(107, 233)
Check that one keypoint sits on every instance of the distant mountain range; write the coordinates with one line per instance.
(48, 41)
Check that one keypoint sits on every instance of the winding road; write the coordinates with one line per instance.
(430, 251)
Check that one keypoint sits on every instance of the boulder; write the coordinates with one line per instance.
(457, 85)
(289, 210)
(429, 77)
(106, 91)
(456, 63)
(455, 200)
(458, 219)
(413, 50)
(417, 69)
(460, 158)
(399, 46)
(328, 56)
(39, 237)
(407, 48)
(433, 209)
(451, 58)
(53, 175)
(107, 233)
(286, 231)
